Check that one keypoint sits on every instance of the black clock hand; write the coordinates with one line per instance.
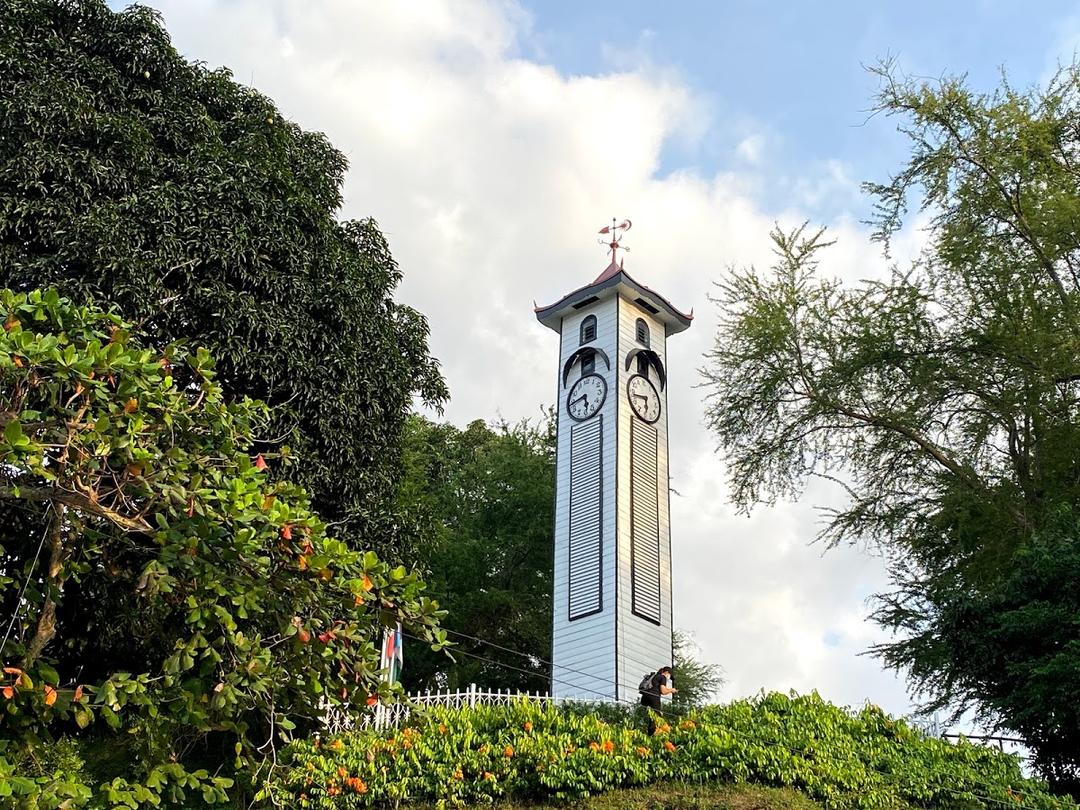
(579, 399)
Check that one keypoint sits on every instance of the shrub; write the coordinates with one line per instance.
(843, 759)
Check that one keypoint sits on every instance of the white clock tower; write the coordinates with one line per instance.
(612, 588)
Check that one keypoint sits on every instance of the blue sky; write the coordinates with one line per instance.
(490, 139)
(798, 69)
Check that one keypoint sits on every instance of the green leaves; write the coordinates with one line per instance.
(155, 510)
(842, 759)
(942, 398)
(186, 201)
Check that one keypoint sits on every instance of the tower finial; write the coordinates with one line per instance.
(615, 233)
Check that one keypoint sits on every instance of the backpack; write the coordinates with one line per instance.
(646, 685)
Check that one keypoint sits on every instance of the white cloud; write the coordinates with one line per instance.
(490, 174)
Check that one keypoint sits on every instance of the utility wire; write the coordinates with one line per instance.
(29, 576)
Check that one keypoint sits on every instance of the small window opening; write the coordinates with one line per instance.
(588, 364)
(642, 332)
(588, 329)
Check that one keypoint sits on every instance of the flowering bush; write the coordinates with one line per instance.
(864, 759)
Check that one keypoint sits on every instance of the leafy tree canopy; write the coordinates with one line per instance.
(944, 398)
(487, 494)
(224, 613)
(697, 681)
(132, 176)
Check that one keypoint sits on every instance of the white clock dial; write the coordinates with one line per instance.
(644, 398)
(586, 397)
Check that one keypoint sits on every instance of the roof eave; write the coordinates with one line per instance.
(674, 320)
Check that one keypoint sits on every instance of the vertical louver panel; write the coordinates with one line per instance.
(644, 523)
(586, 533)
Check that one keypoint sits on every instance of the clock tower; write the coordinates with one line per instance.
(612, 588)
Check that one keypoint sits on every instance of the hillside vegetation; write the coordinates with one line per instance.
(527, 752)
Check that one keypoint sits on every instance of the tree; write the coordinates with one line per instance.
(132, 176)
(1019, 648)
(944, 398)
(227, 613)
(697, 682)
(487, 494)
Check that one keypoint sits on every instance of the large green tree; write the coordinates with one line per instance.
(227, 612)
(184, 198)
(943, 398)
(486, 494)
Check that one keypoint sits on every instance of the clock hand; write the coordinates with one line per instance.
(583, 397)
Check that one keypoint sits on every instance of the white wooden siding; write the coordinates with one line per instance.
(583, 650)
(643, 645)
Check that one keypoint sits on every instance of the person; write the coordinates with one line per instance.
(659, 684)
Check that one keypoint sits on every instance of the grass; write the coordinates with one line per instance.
(675, 796)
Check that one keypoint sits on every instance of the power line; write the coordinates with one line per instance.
(29, 576)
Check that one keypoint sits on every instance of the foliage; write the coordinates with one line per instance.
(697, 681)
(231, 613)
(944, 397)
(683, 796)
(1017, 646)
(843, 759)
(133, 177)
(484, 494)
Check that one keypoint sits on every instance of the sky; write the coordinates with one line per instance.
(491, 140)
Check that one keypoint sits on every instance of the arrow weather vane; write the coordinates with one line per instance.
(615, 233)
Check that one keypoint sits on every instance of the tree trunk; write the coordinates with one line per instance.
(45, 629)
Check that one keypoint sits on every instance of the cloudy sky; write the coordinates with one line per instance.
(491, 139)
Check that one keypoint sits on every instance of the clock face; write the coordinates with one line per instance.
(586, 397)
(644, 398)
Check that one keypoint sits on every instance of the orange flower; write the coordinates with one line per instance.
(9, 693)
(333, 790)
(342, 773)
(669, 745)
(260, 462)
(78, 693)
(372, 700)
(337, 745)
(357, 784)
(642, 751)
(458, 774)
(593, 746)
(609, 746)
(442, 728)
(366, 583)
(687, 725)
(483, 749)
(528, 725)
(488, 775)
(50, 695)
(508, 751)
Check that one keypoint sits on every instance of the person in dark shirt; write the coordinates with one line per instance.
(660, 684)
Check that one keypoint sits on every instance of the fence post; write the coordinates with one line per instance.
(472, 695)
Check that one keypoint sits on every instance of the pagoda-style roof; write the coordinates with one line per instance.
(612, 281)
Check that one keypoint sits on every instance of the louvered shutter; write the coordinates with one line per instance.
(644, 522)
(586, 527)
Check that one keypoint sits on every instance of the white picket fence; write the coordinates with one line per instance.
(337, 719)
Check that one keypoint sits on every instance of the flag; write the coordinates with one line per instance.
(392, 656)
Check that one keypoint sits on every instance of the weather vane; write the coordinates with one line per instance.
(615, 233)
